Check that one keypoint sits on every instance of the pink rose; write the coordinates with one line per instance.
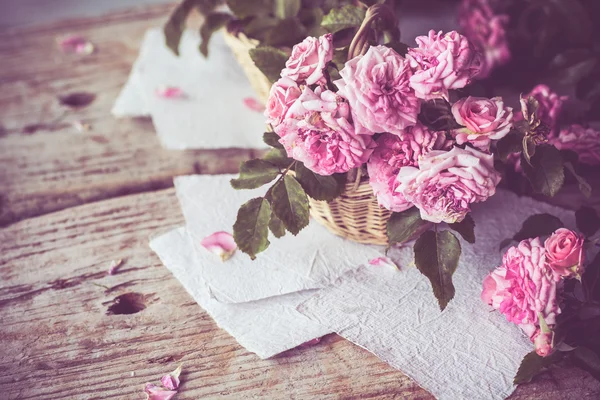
(308, 60)
(317, 131)
(377, 88)
(442, 62)
(583, 141)
(524, 290)
(448, 182)
(283, 94)
(483, 120)
(564, 253)
(487, 31)
(391, 154)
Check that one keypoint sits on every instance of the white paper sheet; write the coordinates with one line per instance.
(310, 260)
(265, 327)
(212, 114)
(467, 351)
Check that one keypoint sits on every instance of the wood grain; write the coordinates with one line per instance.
(47, 165)
(59, 342)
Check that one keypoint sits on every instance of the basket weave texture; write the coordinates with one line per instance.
(355, 214)
(241, 45)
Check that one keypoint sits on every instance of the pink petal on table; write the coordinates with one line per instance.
(154, 392)
(254, 104)
(220, 243)
(76, 44)
(171, 381)
(383, 262)
(114, 266)
(169, 92)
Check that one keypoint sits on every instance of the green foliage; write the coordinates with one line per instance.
(584, 187)
(403, 226)
(436, 257)
(287, 32)
(348, 16)
(254, 174)
(287, 8)
(212, 23)
(538, 225)
(174, 27)
(546, 170)
(249, 8)
(466, 228)
(587, 220)
(290, 204)
(272, 139)
(320, 187)
(251, 228)
(269, 60)
(509, 144)
(437, 115)
(532, 365)
(278, 157)
(276, 226)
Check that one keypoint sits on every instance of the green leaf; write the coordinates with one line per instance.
(212, 23)
(588, 360)
(584, 186)
(403, 226)
(174, 27)
(276, 226)
(251, 228)
(269, 60)
(436, 257)
(258, 27)
(272, 139)
(587, 221)
(311, 17)
(287, 32)
(287, 8)
(342, 18)
(278, 157)
(320, 187)
(573, 65)
(249, 8)
(254, 174)
(398, 47)
(437, 115)
(591, 280)
(290, 204)
(545, 173)
(538, 225)
(466, 228)
(533, 364)
(509, 144)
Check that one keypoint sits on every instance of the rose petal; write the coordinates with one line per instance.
(383, 262)
(220, 243)
(154, 392)
(171, 381)
(254, 104)
(114, 266)
(76, 44)
(169, 92)
(81, 126)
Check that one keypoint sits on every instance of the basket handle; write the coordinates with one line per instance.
(360, 42)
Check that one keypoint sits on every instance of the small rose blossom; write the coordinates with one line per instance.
(220, 243)
(448, 182)
(483, 119)
(378, 91)
(487, 31)
(564, 253)
(308, 60)
(283, 94)
(523, 288)
(394, 152)
(442, 62)
(318, 132)
(154, 392)
(583, 141)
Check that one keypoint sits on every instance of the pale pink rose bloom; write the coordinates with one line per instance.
(487, 31)
(154, 392)
(448, 182)
(483, 119)
(523, 288)
(394, 152)
(442, 62)
(220, 243)
(564, 253)
(583, 141)
(377, 88)
(308, 60)
(318, 132)
(283, 94)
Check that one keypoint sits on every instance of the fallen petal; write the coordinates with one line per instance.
(383, 262)
(171, 381)
(221, 244)
(154, 392)
(81, 126)
(254, 104)
(169, 92)
(76, 44)
(114, 266)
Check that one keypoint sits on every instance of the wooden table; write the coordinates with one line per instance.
(74, 201)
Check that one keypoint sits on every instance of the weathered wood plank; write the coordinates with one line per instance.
(58, 341)
(47, 164)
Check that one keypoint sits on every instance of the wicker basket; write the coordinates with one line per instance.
(240, 46)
